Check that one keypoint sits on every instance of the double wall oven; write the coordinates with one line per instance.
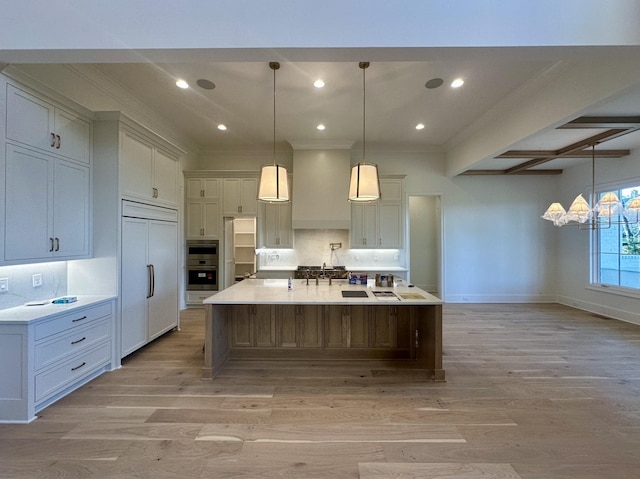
(202, 265)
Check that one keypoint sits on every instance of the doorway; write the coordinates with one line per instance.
(425, 243)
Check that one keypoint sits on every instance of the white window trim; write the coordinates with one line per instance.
(594, 257)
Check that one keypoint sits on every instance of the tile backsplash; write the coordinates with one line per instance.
(20, 278)
(313, 247)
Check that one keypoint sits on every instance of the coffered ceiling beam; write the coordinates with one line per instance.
(577, 146)
(504, 172)
(627, 122)
(521, 154)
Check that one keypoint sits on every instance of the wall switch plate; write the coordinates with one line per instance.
(37, 280)
(4, 285)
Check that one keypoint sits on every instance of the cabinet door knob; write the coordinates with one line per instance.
(58, 142)
(57, 244)
(50, 245)
(53, 140)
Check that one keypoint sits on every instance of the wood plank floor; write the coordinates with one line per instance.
(532, 391)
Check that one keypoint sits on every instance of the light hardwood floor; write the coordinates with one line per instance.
(532, 391)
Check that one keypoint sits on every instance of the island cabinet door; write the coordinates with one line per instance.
(253, 326)
(384, 330)
(390, 328)
(241, 325)
(346, 326)
(264, 325)
(299, 326)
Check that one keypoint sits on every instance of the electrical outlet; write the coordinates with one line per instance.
(4, 285)
(37, 280)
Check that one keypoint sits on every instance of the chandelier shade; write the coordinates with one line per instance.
(599, 216)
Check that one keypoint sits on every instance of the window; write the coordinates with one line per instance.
(617, 248)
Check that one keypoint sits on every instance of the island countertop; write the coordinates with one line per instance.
(275, 291)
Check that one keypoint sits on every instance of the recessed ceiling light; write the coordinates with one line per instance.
(320, 127)
(205, 84)
(182, 84)
(457, 83)
(434, 83)
(222, 127)
(420, 126)
(318, 83)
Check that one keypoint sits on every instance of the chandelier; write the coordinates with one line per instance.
(601, 215)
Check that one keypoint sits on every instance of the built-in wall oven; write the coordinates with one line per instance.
(202, 265)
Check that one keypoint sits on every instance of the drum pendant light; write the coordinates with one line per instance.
(364, 185)
(274, 185)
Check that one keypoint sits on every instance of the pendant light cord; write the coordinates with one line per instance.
(364, 66)
(274, 66)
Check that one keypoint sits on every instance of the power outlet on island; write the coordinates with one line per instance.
(4, 285)
(37, 280)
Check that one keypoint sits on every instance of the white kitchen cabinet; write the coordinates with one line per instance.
(47, 207)
(51, 352)
(240, 197)
(203, 208)
(149, 274)
(277, 225)
(37, 122)
(148, 172)
(379, 224)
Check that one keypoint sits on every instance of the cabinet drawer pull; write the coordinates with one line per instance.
(78, 341)
(84, 363)
(53, 140)
(78, 319)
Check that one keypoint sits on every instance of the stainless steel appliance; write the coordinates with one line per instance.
(202, 265)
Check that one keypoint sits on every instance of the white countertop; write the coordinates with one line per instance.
(274, 291)
(25, 314)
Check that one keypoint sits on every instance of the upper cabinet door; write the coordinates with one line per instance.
(240, 197)
(136, 167)
(73, 136)
(35, 122)
(30, 120)
(71, 209)
(165, 177)
(29, 193)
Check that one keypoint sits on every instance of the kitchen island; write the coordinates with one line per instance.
(262, 319)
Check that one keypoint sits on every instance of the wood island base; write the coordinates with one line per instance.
(408, 333)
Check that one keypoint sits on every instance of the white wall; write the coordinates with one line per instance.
(573, 244)
(496, 248)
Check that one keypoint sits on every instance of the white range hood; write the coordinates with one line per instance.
(321, 188)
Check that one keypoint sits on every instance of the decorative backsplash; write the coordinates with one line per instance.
(21, 290)
(313, 247)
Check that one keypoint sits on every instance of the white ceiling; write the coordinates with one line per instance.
(520, 59)
(396, 100)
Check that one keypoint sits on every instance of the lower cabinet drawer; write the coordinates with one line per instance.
(197, 297)
(51, 381)
(48, 352)
(78, 317)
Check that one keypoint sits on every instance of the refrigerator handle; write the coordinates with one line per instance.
(153, 280)
(149, 281)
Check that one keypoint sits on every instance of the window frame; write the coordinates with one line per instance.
(594, 245)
